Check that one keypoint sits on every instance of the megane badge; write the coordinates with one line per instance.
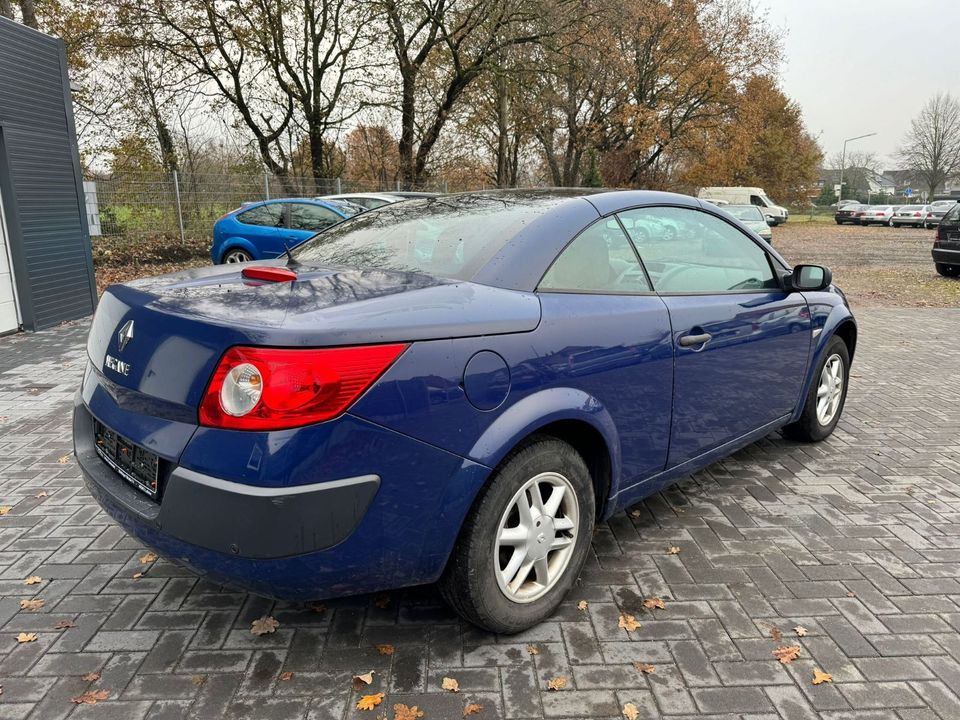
(125, 335)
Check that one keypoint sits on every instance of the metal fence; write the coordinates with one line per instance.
(185, 206)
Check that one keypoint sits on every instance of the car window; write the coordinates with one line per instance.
(599, 259)
(311, 217)
(745, 212)
(757, 200)
(265, 215)
(689, 251)
(954, 214)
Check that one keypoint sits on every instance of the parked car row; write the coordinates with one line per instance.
(927, 216)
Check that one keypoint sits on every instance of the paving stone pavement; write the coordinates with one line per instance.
(856, 539)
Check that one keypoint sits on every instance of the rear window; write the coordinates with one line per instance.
(953, 215)
(450, 236)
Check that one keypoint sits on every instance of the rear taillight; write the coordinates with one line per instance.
(276, 388)
(917, 215)
(936, 236)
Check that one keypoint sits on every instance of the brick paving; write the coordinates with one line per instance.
(857, 539)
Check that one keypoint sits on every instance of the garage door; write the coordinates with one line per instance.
(9, 318)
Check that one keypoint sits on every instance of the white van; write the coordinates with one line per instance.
(746, 196)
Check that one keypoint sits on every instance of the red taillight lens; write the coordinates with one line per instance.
(917, 215)
(290, 387)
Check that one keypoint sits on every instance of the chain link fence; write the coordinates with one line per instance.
(185, 206)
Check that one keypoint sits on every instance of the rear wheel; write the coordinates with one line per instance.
(948, 270)
(522, 546)
(828, 393)
(236, 255)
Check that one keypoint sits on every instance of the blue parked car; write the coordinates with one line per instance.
(264, 230)
(453, 389)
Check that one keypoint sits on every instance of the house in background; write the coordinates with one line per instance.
(46, 267)
(858, 182)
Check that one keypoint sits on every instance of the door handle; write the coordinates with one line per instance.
(692, 340)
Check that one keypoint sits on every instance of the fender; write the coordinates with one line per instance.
(239, 242)
(825, 325)
(540, 409)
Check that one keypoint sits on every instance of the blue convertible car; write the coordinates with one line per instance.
(456, 389)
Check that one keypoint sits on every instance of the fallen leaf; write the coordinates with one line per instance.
(41, 494)
(630, 711)
(582, 605)
(4, 509)
(800, 630)
(264, 625)
(787, 653)
(91, 697)
(450, 684)
(64, 460)
(148, 557)
(851, 594)
(26, 637)
(199, 680)
(776, 635)
(644, 667)
(381, 601)
(64, 625)
(472, 709)
(558, 683)
(385, 649)
(651, 603)
(33, 604)
(319, 608)
(369, 702)
(91, 676)
(533, 650)
(286, 675)
(819, 676)
(33, 580)
(629, 623)
(674, 550)
(402, 712)
(636, 513)
(360, 680)
(137, 576)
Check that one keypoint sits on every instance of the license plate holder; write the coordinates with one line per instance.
(139, 467)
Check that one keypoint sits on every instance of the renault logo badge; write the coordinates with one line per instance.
(125, 335)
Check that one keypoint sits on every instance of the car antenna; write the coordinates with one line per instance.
(291, 261)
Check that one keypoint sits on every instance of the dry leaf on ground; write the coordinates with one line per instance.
(629, 623)
(318, 608)
(819, 676)
(644, 667)
(33, 580)
(381, 601)
(385, 649)
(64, 625)
(582, 605)
(674, 550)
(776, 635)
(42, 494)
(800, 630)
(360, 680)
(4, 509)
(148, 557)
(450, 684)
(402, 712)
(91, 676)
(558, 683)
(32, 604)
(636, 513)
(25, 637)
(286, 675)
(630, 711)
(264, 625)
(91, 697)
(472, 709)
(533, 650)
(369, 702)
(64, 460)
(651, 603)
(787, 653)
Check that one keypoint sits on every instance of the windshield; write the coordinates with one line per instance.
(746, 213)
(451, 236)
(345, 206)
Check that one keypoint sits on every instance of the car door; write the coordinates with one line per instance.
(605, 332)
(741, 344)
(306, 220)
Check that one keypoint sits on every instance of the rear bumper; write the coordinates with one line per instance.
(946, 257)
(909, 220)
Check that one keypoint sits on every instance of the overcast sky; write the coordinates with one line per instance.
(861, 66)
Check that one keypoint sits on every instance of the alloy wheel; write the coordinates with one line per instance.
(536, 537)
(236, 256)
(830, 389)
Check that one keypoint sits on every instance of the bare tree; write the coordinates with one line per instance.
(29, 13)
(932, 145)
(6, 9)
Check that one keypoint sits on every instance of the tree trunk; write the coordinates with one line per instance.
(407, 127)
(503, 117)
(6, 9)
(29, 13)
(168, 151)
(317, 155)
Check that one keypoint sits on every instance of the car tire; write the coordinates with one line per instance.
(893, 224)
(236, 255)
(948, 270)
(813, 425)
(839, 223)
(477, 581)
(890, 223)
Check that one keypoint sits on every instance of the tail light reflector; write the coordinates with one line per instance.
(257, 388)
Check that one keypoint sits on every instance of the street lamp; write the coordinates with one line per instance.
(843, 162)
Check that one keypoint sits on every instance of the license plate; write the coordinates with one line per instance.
(139, 467)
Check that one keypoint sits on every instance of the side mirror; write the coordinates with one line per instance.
(809, 278)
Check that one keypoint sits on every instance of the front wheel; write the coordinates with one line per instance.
(525, 541)
(828, 393)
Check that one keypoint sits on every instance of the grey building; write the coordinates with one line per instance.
(46, 268)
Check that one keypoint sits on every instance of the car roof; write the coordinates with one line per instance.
(375, 196)
(276, 201)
